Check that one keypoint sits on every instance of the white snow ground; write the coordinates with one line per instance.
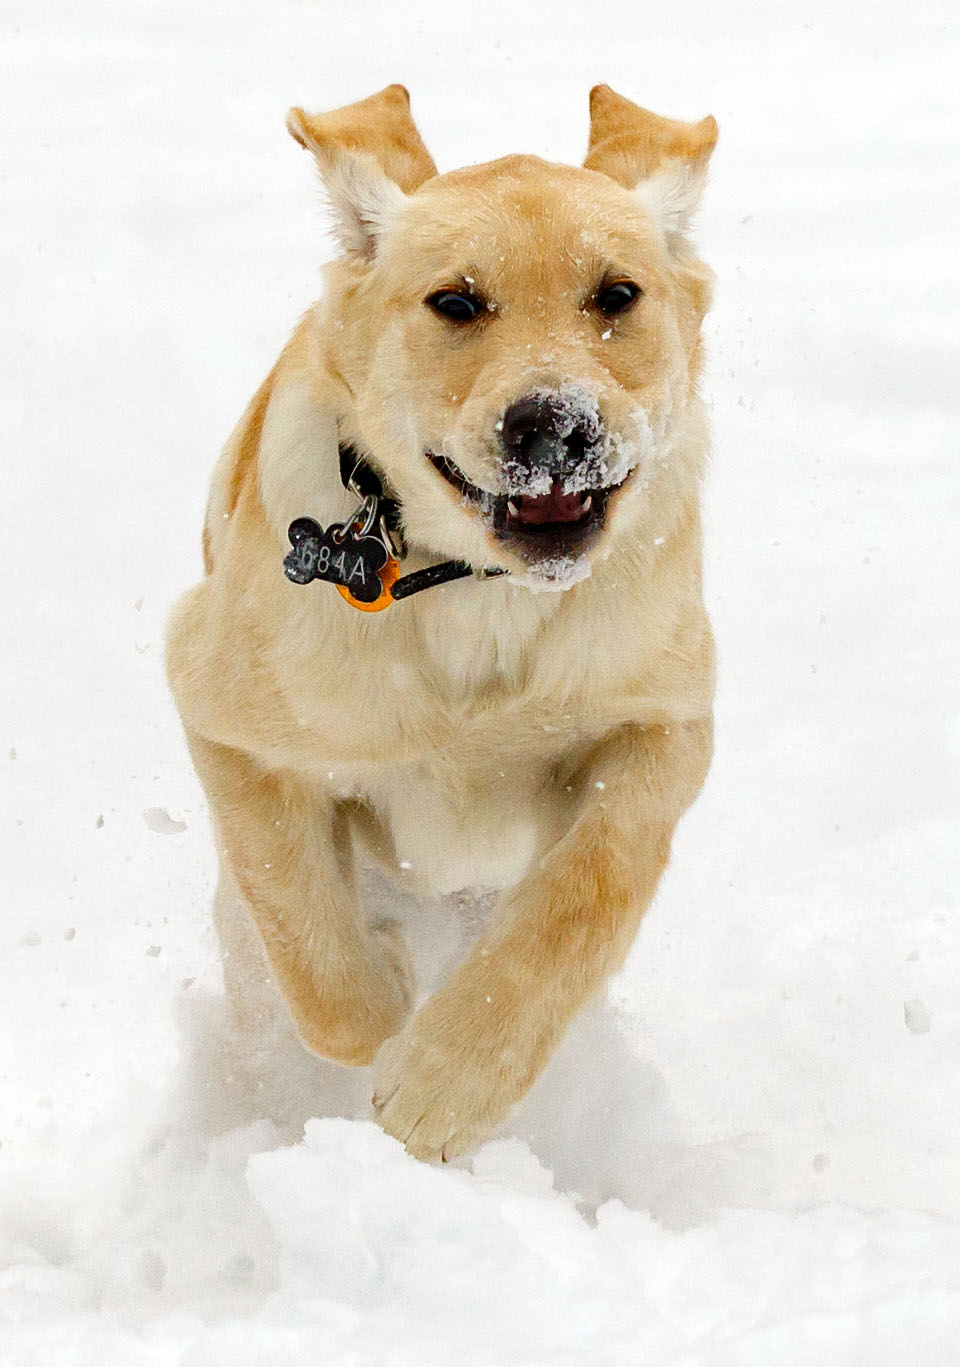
(756, 1161)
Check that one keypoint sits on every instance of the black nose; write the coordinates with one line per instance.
(549, 432)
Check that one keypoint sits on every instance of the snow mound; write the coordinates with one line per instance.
(343, 1248)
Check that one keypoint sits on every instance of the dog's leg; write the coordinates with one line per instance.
(347, 985)
(476, 1046)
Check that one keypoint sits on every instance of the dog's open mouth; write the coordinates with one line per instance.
(539, 526)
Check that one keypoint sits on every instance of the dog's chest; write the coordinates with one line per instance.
(461, 830)
(472, 719)
(474, 636)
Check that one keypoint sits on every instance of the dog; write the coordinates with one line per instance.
(451, 620)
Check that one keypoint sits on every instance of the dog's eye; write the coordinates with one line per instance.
(458, 307)
(617, 297)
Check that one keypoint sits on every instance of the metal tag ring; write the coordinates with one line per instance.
(365, 513)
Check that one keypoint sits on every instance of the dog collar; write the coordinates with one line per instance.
(361, 556)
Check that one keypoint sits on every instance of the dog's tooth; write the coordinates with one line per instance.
(512, 508)
(588, 503)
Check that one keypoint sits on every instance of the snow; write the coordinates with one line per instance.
(609, 458)
(750, 1154)
(554, 575)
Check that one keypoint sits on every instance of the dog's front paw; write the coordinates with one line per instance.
(442, 1088)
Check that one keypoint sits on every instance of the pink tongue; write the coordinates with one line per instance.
(553, 507)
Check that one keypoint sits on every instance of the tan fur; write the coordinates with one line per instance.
(545, 743)
(380, 126)
(629, 143)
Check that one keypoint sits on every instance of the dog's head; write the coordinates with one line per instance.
(517, 343)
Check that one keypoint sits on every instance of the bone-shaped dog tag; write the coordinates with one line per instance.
(360, 566)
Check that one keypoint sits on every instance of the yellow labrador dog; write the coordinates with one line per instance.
(452, 610)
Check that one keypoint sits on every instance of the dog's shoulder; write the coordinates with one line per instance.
(274, 462)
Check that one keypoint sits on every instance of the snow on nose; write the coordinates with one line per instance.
(548, 434)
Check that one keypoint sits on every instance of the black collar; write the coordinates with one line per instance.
(359, 476)
(361, 556)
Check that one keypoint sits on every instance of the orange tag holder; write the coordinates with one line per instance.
(388, 576)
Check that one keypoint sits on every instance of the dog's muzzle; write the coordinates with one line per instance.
(554, 470)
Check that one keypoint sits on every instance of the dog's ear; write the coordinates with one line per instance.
(664, 160)
(370, 156)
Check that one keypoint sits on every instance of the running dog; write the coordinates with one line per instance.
(451, 619)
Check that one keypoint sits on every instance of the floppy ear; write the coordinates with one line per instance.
(369, 155)
(663, 159)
